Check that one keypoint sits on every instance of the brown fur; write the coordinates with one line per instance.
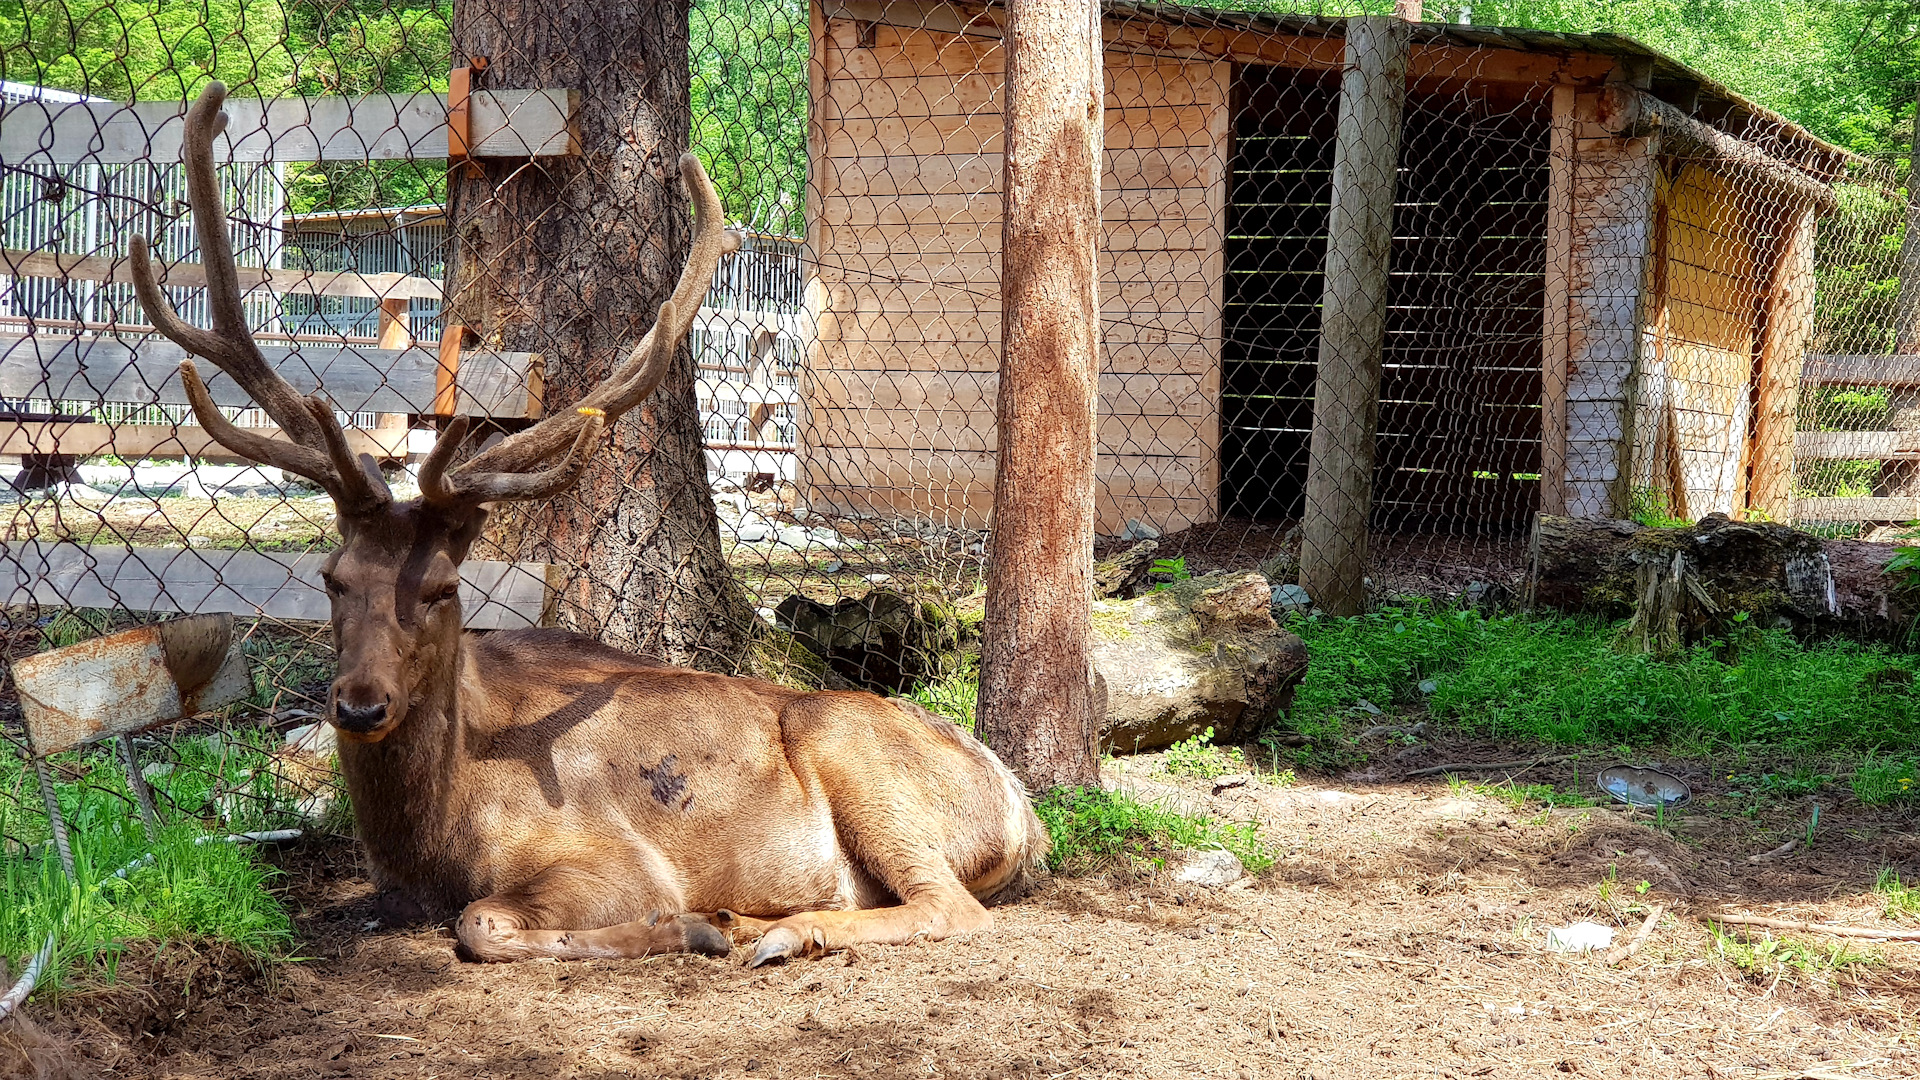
(576, 801)
(552, 785)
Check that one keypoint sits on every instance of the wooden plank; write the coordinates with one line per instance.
(1555, 343)
(46, 264)
(493, 595)
(374, 127)
(856, 424)
(146, 371)
(1831, 369)
(1786, 324)
(1862, 509)
(396, 331)
(1346, 411)
(134, 441)
(1856, 445)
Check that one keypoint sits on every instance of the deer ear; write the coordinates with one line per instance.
(460, 539)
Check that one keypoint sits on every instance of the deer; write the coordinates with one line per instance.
(565, 798)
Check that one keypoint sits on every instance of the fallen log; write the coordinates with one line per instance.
(1682, 584)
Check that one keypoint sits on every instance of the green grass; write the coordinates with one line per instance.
(1197, 757)
(955, 697)
(1564, 680)
(1898, 900)
(1882, 781)
(1095, 831)
(1766, 958)
(1517, 795)
(189, 892)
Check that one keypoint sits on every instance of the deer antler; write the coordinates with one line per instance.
(318, 450)
(514, 469)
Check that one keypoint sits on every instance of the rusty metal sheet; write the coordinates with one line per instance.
(130, 681)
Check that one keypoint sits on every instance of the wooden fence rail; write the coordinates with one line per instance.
(1898, 372)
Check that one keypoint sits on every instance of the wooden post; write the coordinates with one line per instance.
(1902, 478)
(1786, 324)
(1556, 342)
(395, 329)
(1037, 707)
(1353, 315)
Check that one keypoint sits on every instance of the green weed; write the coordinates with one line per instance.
(955, 697)
(1172, 569)
(1898, 899)
(1769, 957)
(1561, 680)
(1197, 757)
(1882, 781)
(1095, 831)
(1799, 783)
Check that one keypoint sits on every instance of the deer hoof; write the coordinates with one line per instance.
(778, 943)
(703, 938)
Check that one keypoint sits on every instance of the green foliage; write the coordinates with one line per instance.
(1769, 957)
(1882, 781)
(1562, 680)
(749, 65)
(1096, 831)
(1197, 756)
(956, 697)
(1898, 899)
(1518, 795)
(1653, 509)
(189, 891)
(1173, 570)
(1799, 783)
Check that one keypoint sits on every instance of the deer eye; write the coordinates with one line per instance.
(441, 594)
(332, 585)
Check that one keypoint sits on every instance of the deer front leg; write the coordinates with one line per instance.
(938, 913)
(570, 912)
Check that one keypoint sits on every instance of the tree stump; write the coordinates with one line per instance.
(1682, 584)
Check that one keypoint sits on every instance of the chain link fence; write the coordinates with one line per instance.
(1373, 294)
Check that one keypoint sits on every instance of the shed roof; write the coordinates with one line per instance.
(1738, 115)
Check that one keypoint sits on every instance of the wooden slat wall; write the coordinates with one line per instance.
(900, 392)
(1694, 399)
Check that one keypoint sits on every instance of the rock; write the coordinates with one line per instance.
(885, 640)
(1122, 575)
(1210, 868)
(1137, 530)
(1172, 671)
(1236, 780)
(1242, 602)
(1291, 598)
(752, 529)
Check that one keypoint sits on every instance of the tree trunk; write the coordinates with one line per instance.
(1902, 478)
(1037, 701)
(571, 258)
(1680, 584)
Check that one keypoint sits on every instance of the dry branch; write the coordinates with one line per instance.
(1866, 932)
(1780, 852)
(1622, 953)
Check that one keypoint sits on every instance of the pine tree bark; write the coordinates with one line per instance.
(571, 258)
(1037, 701)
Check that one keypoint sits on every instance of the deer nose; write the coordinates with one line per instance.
(359, 719)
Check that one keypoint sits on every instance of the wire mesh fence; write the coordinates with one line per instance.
(1372, 295)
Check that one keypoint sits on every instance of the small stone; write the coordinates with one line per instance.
(1210, 868)
(878, 579)
(1226, 783)
(1291, 598)
(832, 566)
(1138, 530)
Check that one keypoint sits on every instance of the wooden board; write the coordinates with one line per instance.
(493, 595)
(146, 371)
(44, 264)
(374, 127)
(1826, 369)
(1864, 509)
(134, 441)
(1786, 324)
(1856, 445)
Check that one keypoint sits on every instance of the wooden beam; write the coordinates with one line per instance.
(1868, 509)
(1629, 112)
(47, 264)
(135, 441)
(146, 371)
(1832, 369)
(376, 127)
(396, 331)
(493, 595)
(1856, 445)
(1786, 322)
(1353, 320)
(1556, 342)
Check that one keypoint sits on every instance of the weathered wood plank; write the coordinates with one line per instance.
(46, 264)
(146, 371)
(493, 595)
(1555, 341)
(374, 127)
(133, 441)
(1829, 369)
(1864, 509)
(1856, 445)
(1787, 323)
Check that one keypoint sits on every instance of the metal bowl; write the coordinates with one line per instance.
(1638, 786)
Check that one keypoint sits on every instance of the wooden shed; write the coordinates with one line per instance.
(1601, 271)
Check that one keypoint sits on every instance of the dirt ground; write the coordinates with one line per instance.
(1401, 934)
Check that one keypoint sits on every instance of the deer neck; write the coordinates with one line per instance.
(407, 788)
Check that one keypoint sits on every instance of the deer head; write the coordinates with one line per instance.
(393, 581)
